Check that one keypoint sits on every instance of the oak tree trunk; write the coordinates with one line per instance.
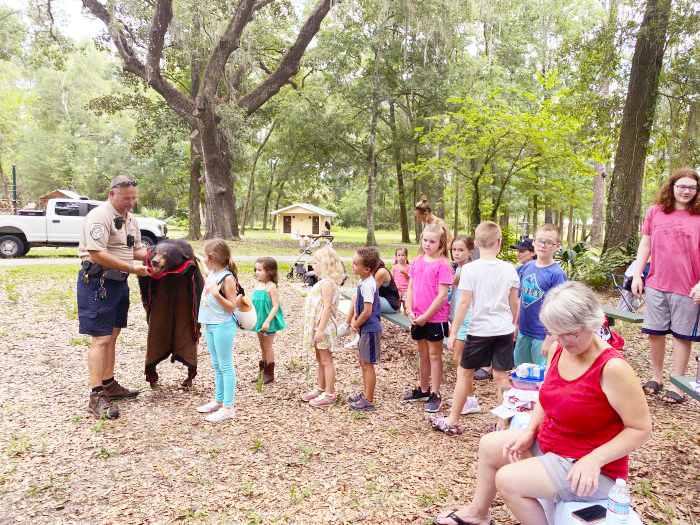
(624, 201)
(403, 215)
(598, 203)
(195, 229)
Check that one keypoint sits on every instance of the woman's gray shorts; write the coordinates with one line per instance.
(558, 468)
(670, 313)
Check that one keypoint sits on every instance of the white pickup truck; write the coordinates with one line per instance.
(60, 225)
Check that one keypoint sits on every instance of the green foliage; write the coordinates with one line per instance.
(596, 272)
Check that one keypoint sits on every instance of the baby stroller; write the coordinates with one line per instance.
(301, 267)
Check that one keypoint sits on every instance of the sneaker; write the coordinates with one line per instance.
(115, 391)
(362, 404)
(324, 400)
(312, 394)
(355, 343)
(101, 406)
(482, 375)
(356, 397)
(212, 406)
(344, 329)
(416, 395)
(471, 408)
(221, 415)
(439, 423)
(434, 403)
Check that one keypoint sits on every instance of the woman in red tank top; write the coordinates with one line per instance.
(591, 414)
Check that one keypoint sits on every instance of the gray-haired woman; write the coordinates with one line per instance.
(591, 414)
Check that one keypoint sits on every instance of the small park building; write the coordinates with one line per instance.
(302, 219)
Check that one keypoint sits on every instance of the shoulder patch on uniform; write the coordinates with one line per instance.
(97, 231)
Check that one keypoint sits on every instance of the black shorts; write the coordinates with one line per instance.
(430, 331)
(99, 317)
(480, 351)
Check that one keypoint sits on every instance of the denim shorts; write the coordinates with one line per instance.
(99, 317)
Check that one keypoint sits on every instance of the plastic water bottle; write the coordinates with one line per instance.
(618, 504)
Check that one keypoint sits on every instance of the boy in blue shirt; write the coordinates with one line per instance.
(537, 277)
(367, 323)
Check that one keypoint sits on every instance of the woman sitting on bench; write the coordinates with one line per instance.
(591, 414)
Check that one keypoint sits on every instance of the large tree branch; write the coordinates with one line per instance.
(227, 44)
(261, 3)
(289, 66)
(182, 105)
(161, 20)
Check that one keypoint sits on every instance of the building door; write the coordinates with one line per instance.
(287, 224)
(314, 225)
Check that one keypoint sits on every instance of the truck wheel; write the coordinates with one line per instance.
(148, 240)
(11, 246)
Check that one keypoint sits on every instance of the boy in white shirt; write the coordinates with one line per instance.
(490, 286)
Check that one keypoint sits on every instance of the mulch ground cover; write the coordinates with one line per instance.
(279, 460)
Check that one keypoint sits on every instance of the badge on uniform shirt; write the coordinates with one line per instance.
(97, 231)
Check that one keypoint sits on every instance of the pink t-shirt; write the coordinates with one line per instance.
(427, 278)
(399, 278)
(675, 250)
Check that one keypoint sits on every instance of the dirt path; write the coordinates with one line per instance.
(279, 460)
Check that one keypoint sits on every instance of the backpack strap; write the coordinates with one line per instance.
(239, 288)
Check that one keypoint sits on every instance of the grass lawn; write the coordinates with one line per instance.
(262, 242)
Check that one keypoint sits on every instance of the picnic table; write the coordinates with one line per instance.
(622, 315)
(683, 382)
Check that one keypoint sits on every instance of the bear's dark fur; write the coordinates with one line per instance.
(171, 299)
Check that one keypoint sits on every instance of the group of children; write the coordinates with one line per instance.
(488, 312)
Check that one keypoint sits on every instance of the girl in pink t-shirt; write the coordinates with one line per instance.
(430, 276)
(671, 236)
(400, 274)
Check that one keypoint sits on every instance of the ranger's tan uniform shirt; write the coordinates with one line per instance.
(100, 234)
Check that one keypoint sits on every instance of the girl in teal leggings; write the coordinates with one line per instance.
(220, 326)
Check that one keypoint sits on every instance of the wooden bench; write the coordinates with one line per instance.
(683, 382)
(397, 318)
(622, 315)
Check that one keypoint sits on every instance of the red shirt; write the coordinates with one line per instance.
(578, 417)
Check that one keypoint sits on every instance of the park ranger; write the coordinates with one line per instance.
(109, 243)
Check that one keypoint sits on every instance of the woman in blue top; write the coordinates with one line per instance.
(220, 325)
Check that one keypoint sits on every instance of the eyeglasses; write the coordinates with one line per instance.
(124, 184)
(563, 336)
(683, 188)
(545, 242)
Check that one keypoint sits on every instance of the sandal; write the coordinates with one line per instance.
(482, 375)
(653, 387)
(453, 516)
(440, 423)
(492, 427)
(672, 398)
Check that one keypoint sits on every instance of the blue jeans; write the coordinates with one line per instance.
(220, 344)
(386, 307)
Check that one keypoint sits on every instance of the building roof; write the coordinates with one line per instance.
(310, 207)
(68, 193)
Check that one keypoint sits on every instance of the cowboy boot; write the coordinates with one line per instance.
(261, 364)
(269, 373)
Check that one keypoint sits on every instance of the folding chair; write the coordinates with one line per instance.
(623, 284)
